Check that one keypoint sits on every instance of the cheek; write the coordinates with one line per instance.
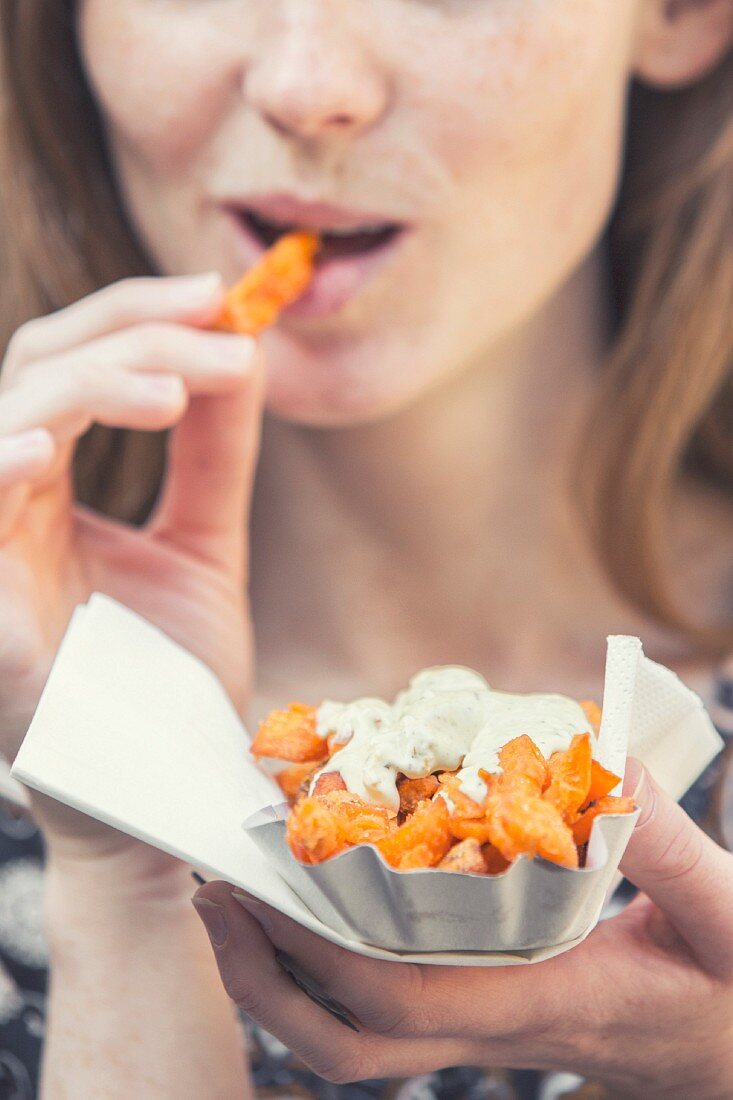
(526, 79)
(529, 115)
(162, 74)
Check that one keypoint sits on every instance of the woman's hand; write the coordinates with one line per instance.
(645, 1004)
(135, 355)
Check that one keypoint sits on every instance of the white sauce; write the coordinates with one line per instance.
(550, 720)
(446, 717)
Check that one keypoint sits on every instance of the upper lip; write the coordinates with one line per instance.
(320, 216)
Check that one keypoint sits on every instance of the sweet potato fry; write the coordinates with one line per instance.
(602, 782)
(522, 764)
(608, 805)
(416, 859)
(593, 713)
(291, 735)
(459, 804)
(570, 773)
(523, 824)
(413, 791)
(292, 780)
(327, 782)
(281, 275)
(462, 828)
(313, 832)
(466, 857)
(426, 829)
(494, 860)
(359, 822)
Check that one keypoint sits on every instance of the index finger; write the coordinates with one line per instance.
(193, 299)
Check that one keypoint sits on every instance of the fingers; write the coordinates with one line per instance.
(258, 984)
(384, 997)
(191, 299)
(25, 455)
(212, 458)
(683, 872)
(402, 1000)
(106, 378)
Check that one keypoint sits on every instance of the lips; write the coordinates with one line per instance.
(354, 245)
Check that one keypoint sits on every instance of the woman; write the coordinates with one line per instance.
(484, 327)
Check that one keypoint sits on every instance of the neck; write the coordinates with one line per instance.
(444, 534)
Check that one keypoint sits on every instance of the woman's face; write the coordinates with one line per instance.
(461, 157)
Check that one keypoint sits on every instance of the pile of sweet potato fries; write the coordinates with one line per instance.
(534, 807)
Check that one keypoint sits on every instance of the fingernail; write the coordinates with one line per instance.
(634, 779)
(256, 908)
(195, 289)
(35, 441)
(213, 917)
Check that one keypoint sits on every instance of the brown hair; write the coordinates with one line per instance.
(665, 398)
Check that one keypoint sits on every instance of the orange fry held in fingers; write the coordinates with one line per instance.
(290, 735)
(282, 274)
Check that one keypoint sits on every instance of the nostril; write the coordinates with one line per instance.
(278, 125)
(291, 127)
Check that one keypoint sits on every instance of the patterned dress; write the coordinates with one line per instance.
(23, 977)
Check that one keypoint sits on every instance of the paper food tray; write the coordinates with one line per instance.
(135, 731)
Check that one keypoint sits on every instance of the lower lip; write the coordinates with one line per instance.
(336, 281)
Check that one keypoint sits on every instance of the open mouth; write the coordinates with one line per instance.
(335, 243)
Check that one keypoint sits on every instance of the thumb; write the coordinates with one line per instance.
(684, 873)
(212, 456)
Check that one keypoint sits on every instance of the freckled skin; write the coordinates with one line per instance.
(494, 126)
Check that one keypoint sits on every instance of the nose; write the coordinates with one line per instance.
(318, 79)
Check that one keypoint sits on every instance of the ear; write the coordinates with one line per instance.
(680, 41)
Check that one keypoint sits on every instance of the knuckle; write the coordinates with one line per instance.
(152, 341)
(243, 993)
(342, 1065)
(681, 852)
(124, 300)
(405, 1013)
(20, 347)
(85, 380)
(404, 1021)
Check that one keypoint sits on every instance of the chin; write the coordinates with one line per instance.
(333, 389)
